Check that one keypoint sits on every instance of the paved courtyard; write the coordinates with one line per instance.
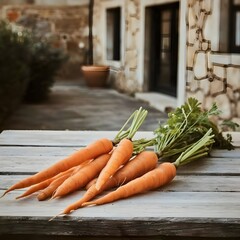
(73, 106)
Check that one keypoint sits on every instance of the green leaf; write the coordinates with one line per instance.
(186, 125)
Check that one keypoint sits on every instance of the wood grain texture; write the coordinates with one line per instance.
(57, 138)
(33, 163)
(181, 183)
(115, 227)
(157, 204)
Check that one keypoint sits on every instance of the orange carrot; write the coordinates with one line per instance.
(121, 154)
(36, 187)
(142, 163)
(48, 191)
(139, 165)
(91, 151)
(91, 183)
(83, 176)
(46, 183)
(153, 179)
(161, 175)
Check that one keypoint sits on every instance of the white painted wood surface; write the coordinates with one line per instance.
(202, 201)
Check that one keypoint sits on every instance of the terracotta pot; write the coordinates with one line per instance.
(95, 76)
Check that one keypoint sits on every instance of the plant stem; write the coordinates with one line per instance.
(141, 144)
(196, 150)
(137, 118)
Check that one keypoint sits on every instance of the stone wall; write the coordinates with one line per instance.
(211, 76)
(65, 27)
(124, 77)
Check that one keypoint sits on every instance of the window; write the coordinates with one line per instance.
(113, 33)
(230, 26)
(234, 33)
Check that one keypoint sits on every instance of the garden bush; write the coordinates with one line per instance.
(28, 67)
(14, 67)
(45, 63)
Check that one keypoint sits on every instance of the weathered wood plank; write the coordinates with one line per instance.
(32, 137)
(192, 183)
(26, 165)
(153, 204)
(8, 180)
(35, 163)
(154, 209)
(57, 138)
(49, 138)
(76, 139)
(64, 150)
(188, 183)
(57, 237)
(124, 228)
(222, 153)
(12, 151)
(212, 166)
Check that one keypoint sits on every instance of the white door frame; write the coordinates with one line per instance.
(181, 88)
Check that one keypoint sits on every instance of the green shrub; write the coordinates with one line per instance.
(28, 67)
(45, 62)
(14, 67)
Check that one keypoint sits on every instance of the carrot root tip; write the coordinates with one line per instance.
(53, 197)
(60, 214)
(88, 204)
(4, 193)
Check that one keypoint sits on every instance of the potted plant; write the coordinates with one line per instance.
(94, 75)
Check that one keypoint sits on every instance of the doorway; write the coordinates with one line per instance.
(161, 48)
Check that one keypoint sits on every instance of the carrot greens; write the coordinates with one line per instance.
(137, 118)
(196, 150)
(185, 126)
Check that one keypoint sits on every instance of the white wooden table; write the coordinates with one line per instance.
(202, 201)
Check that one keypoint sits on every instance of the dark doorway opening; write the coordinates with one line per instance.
(161, 48)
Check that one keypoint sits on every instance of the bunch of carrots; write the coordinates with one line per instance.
(126, 166)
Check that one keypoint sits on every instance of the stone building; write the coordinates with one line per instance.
(170, 50)
(63, 23)
(167, 50)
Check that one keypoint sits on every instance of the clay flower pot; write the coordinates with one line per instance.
(95, 76)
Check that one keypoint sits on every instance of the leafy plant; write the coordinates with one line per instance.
(45, 62)
(185, 126)
(14, 70)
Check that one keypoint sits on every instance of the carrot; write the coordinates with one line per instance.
(161, 175)
(121, 154)
(46, 183)
(139, 165)
(48, 191)
(142, 163)
(153, 179)
(83, 176)
(58, 180)
(36, 187)
(91, 151)
(91, 183)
